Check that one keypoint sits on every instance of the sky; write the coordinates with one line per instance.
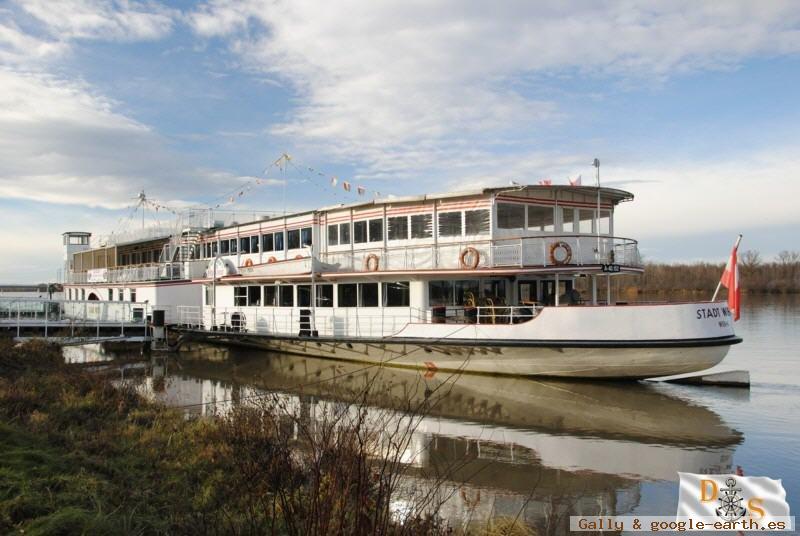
(692, 106)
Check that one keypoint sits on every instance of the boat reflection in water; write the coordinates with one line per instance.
(486, 446)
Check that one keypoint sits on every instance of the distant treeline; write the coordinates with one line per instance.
(779, 275)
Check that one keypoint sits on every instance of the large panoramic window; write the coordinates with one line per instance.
(359, 232)
(462, 292)
(450, 224)
(270, 295)
(267, 242)
(333, 235)
(421, 226)
(244, 244)
(306, 237)
(510, 216)
(344, 233)
(240, 296)
(567, 220)
(304, 295)
(398, 228)
(293, 239)
(254, 296)
(585, 222)
(605, 222)
(540, 219)
(286, 296)
(279, 242)
(224, 247)
(396, 294)
(376, 230)
(324, 295)
(369, 294)
(477, 222)
(254, 244)
(348, 294)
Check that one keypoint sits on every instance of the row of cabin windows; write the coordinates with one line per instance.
(120, 294)
(395, 294)
(415, 226)
(278, 241)
(139, 257)
(465, 292)
(543, 218)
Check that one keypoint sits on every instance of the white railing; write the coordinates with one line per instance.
(520, 252)
(33, 310)
(343, 321)
(147, 272)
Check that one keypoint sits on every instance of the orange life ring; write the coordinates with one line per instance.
(298, 257)
(372, 262)
(272, 259)
(248, 263)
(567, 253)
(475, 256)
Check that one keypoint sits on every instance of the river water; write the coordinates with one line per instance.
(540, 450)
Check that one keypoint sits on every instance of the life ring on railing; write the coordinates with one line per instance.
(271, 260)
(470, 503)
(371, 263)
(248, 263)
(556, 257)
(298, 257)
(469, 258)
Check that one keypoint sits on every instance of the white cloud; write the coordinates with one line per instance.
(401, 85)
(17, 47)
(124, 20)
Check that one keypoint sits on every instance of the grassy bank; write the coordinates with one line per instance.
(80, 455)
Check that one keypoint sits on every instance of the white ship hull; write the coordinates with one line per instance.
(629, 342)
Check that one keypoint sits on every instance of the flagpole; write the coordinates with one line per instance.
(719, 285)
(596, 164)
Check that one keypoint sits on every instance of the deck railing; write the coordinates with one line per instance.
(342, 321)
(169, 271)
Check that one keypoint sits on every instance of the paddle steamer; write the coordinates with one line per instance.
(512, 281)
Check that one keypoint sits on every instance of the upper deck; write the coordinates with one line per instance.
(531, 228)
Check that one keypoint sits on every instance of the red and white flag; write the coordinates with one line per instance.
(730, 280)
(545, 182)
(576, 181)
(346, 186)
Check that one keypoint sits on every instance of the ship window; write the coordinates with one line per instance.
(585, 222)
(540, 219)
(567, 220)
(344, 233)
(333, 235)
(605, 222)
(304, 295)
(396, 294)
(494, 290)
(224, 247)
(398, 228)
(293, 239)
(306, 238)
(450, 224)
(254, 295)
(267, 242)
(464, 292)
(348, 295)
(376, 230)
(279, 241)
(510, 216)
(110, 295)
(83, 294)
(369, 294)
(421, 226)
(270, 293)
(214, 249)
(234, 243)
(254, 244)
(121, 295)
(133, 294)
(324, 295)
(286, 295)
(244, 244)
(359, 232)
(476, 222)
(239, 296)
